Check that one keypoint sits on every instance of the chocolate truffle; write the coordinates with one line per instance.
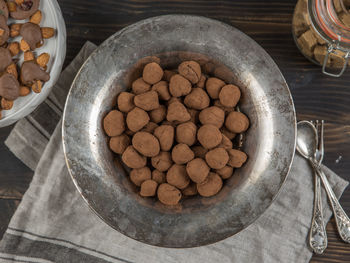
(218, 104)
(31, 34)
(137, 119)
(194, 115)
(177, 112)
(225, 172)
(201, 82)
(133, 159)
(173, 99)
(125, 101)
(227, 133)
(168, 194)
(179, 86)
(209, 136)
(150, 127)
(199, 151)
(197, 170)
(152, 73)
(191, 70)
(198, 99)
(31, 72)
(237, 158)
(186, 133)
(217, 158)
(148, 188)
(146, 144)
(213, 86)
(165, 135)
(190, 190)
(212, 115)
(236, 122)
(182, 154)
(4, 29)
(162, 161)
(162, 89)
(159, 114)
(177, 176)
(139, 86)
(118, 144)
(147, 101)
(9, 86)
(168, 74)
(138, 176)
(229, 95)
(113, 123)
(3, 9)
(5, 58)
(211, 186)
(225, 142)
(158, 176)
(25, 9)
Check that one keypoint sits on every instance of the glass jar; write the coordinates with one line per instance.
(321, 30)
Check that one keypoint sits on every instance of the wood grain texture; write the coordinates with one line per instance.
(269, 23)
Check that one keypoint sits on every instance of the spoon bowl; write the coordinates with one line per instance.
(306, 139)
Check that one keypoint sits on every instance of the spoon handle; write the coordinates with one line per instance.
(341, 219)
(318, 235)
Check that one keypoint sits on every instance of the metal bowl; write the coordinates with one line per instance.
(222, 51)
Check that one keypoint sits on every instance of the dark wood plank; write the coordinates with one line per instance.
(269, 23)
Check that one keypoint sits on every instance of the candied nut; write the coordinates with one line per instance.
(47, 32)
(19, 2)
(229, 95)
(198, 99)
(209, 136)
(12, 7)
(197, 170)
(162, 89)
(28, 56)
(226, 143)
(168, 194)
(177, 176)
(6, 104)
(236, 122)
(237, 158)
(147, 101)
(137, 119)
(173, 99)
(43, 59)
(24, 91)
(146, 144)
(162, 161)
(36, 17)
(37, 86)
(12, 69)
(199, 151)
(190, 190)
(194, 115)
(118, 144)
(125, 101)
(133, 159)
(191, 70)
(179, 86)
(201, 82)
(211, 186)
(230, 135)
(186, 133)
(159, 114)
(168, 74)
(218, 104)
(158, 176)
(14, 48)
(225, 172)
(213, 86)
(24, 46)
(139, 86)
(152, 73)
(177, 112)
(212, 115)
(139, 175)
(217, 158)
(14, 30)
(150, 127)
(148, 188)
(113, 123)
(165, 135)
(182, 154)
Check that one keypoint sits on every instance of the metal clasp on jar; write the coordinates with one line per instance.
(332, 49)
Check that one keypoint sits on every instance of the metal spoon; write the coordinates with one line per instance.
(306, 146)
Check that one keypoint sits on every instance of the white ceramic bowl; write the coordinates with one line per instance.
(56, 47)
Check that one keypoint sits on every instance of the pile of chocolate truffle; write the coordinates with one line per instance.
(174, 129)
(19, 80)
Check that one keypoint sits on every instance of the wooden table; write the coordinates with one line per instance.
(267, 22)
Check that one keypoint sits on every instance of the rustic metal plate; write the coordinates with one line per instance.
(224, 52)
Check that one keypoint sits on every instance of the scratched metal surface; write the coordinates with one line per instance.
(225, 52)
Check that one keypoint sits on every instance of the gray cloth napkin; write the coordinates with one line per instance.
(54, 224)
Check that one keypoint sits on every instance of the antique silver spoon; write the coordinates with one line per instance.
(305, 131)
(307, 141)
